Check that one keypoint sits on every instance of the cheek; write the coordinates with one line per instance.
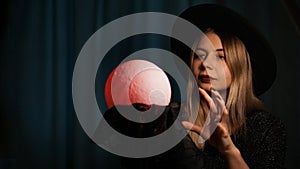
(195, 67)
(228, 75)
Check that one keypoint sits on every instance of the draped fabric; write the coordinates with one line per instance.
(40, 41)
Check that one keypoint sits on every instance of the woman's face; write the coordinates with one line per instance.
(209, 64)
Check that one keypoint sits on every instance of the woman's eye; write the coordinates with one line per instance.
(221, 56)
(202, 57)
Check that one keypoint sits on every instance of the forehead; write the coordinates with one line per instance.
(210, 42)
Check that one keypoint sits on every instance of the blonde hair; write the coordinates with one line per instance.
(240, 95)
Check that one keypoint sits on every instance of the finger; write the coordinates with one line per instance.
(219, 100)
(219, 104)
(208, 99)
(191, 126)
(208, 129)
(216, 95)
(222, 130)
(225, 115)
(206, 96)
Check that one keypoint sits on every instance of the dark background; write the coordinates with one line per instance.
(40, 41)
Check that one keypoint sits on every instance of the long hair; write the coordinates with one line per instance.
(240, 95)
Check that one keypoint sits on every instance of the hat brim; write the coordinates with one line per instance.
(214, 16)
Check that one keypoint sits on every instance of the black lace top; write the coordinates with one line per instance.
(262, 147)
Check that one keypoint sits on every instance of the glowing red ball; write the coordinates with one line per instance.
(137, 81)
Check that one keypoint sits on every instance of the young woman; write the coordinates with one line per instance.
(245, 134)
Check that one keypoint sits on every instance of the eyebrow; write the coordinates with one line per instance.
(200, 49)
(218, 50)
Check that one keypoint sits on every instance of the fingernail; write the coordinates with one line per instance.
(187, 124)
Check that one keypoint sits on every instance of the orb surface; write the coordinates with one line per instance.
(137, 82)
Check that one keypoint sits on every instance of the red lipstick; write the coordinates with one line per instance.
(204, 78)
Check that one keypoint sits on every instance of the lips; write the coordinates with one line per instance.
(205, 78)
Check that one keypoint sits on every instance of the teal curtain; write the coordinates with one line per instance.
(40, 41)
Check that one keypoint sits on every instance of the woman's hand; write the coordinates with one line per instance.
(215, 130)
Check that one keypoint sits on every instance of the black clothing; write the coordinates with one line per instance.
(263, 145)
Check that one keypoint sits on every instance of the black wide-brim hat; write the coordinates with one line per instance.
(218, 17)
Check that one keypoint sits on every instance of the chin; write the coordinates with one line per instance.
(205, 86)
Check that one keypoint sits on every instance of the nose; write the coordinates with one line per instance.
(209, 62)
(205, 65)
(201, 66)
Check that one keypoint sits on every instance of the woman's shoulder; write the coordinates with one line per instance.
(263, 124)
(263, 119)
(265, 141)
